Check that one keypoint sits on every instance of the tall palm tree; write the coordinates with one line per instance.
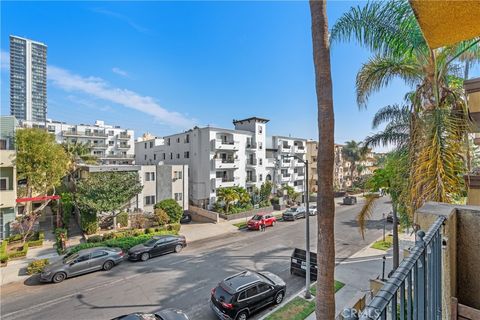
(438, 119)
(353, 152)
(325, 299)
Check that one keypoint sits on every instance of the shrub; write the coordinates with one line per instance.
(150, 230)
(275, 200)
(3, 251)
(15, 237)
(108, 236)
(138, 232)
(95, 238)
(35, 243)
(89, 222)
(37, 266)
(172, 208)
(19, 254)
(67, 207)
(122, 218)
(40, 235)
(161, 216)
(138, 220)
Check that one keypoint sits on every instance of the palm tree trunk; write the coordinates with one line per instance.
(396, 251)
(325, 299)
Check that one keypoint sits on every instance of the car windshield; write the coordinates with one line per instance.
(150, 243)
(257, 217)
(292, 210)
(71, 258)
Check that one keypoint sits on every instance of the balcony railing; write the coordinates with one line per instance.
(251, 179)
(251, 145)
(124, 136)
(123, 146)
(98, 145)
(252, 162)
(414, 291)
(118, 156)
(84, 134)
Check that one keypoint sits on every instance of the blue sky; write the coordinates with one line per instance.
(163, 67)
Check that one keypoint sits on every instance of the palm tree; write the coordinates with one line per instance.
(353, 152)
(78, 153)
(438, 121)
(325, 298)
(228, 196)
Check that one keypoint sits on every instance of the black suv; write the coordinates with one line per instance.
(239, 296)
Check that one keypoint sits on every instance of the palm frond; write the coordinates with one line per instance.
(366, 212)
(379, 71)
(390, 113)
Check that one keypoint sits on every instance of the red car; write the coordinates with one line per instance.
(257, 220)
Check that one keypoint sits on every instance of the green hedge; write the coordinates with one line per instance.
(123, 243)
(35, 243)
(132, 233)
(37, 266)
(88, 222)
(19, 254)
(122, 218)
(3, 251)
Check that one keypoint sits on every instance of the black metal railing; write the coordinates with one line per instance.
(414, 291)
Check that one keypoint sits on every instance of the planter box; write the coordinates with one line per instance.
(245, 214)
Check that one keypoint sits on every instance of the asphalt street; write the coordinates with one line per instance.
(183, 280)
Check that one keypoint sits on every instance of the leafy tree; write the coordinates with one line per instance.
(161, 216)
(42, 163)
(292, 195)
(171, 208)
(243, 196)
(353, 152)
(265, 190)
(438, 120)
(77, 153)
(228, 196)
(108, 192)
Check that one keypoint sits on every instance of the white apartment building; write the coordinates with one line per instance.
(283, 166)
(216, 157)
(111, 144)
(159, 182)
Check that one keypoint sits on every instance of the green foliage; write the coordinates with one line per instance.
(122, 218)
(107, 191)
(109, 235)
(275, 200)
(124, 243)
(383, 245)
(161, 217)
(266, 190)
(40, 160)
(3, 251)
(88, 222)
(149, 230)
(19, 254)
(95, 238)
(66, 200)
(35, 243)
(37, 266)
(172, 209)
(15, 237)
(292, 195)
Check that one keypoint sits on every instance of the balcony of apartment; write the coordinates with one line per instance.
(222, 144)
(6, 158)
(225, 163)
(269, 163)
(123, 146)
(251, 162)
(286, 162)
(251, 179)
(98, 146)
(93, 134)
(285, 177)
(439, 277)
(299, 175)
(118, 156)
(299, 147)
(251, 146)
(285, 147)
(124, 136)
(225, 182)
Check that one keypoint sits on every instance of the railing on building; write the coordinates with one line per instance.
(414, 291)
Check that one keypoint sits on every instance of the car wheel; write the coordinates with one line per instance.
(178, 248)
(59, 277)
(145, 256)
(242, 315)
(108, 265)
(279, 297)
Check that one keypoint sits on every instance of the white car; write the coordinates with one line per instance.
(312, 211)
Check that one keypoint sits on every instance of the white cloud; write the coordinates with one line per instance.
(121, 17)
(120, 72)
(4, 60)
(98, 88)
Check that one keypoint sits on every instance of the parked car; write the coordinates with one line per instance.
(390, 218)
(241, 295)
(294, 213)
(167, 314)
(312, 210)
(186, 218)
(84, 261)
(156, 246)
(350, 200)
(267, 218)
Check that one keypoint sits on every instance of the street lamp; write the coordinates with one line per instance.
(307, 226)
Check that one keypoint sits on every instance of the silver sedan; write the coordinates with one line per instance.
(84, 261)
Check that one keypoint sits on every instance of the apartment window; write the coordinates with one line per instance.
(151, 144)
(260, 161)
(260, 146)
(260, 129)
(186, 154)
(164, 156)
(3, 183)
(178, 196)
(168, 141)
(171, 156)
(3, 144)
(149, 176)
(145, 145)
(111, 143)
(177, 174)
(149, 200)
(187, 138)
(260, 177)
(178, 140)
(51, 128)
(155, 156)
(178, 155)
(110, 132)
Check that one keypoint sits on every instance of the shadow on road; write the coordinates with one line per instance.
(92, 306)
(33, 281)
